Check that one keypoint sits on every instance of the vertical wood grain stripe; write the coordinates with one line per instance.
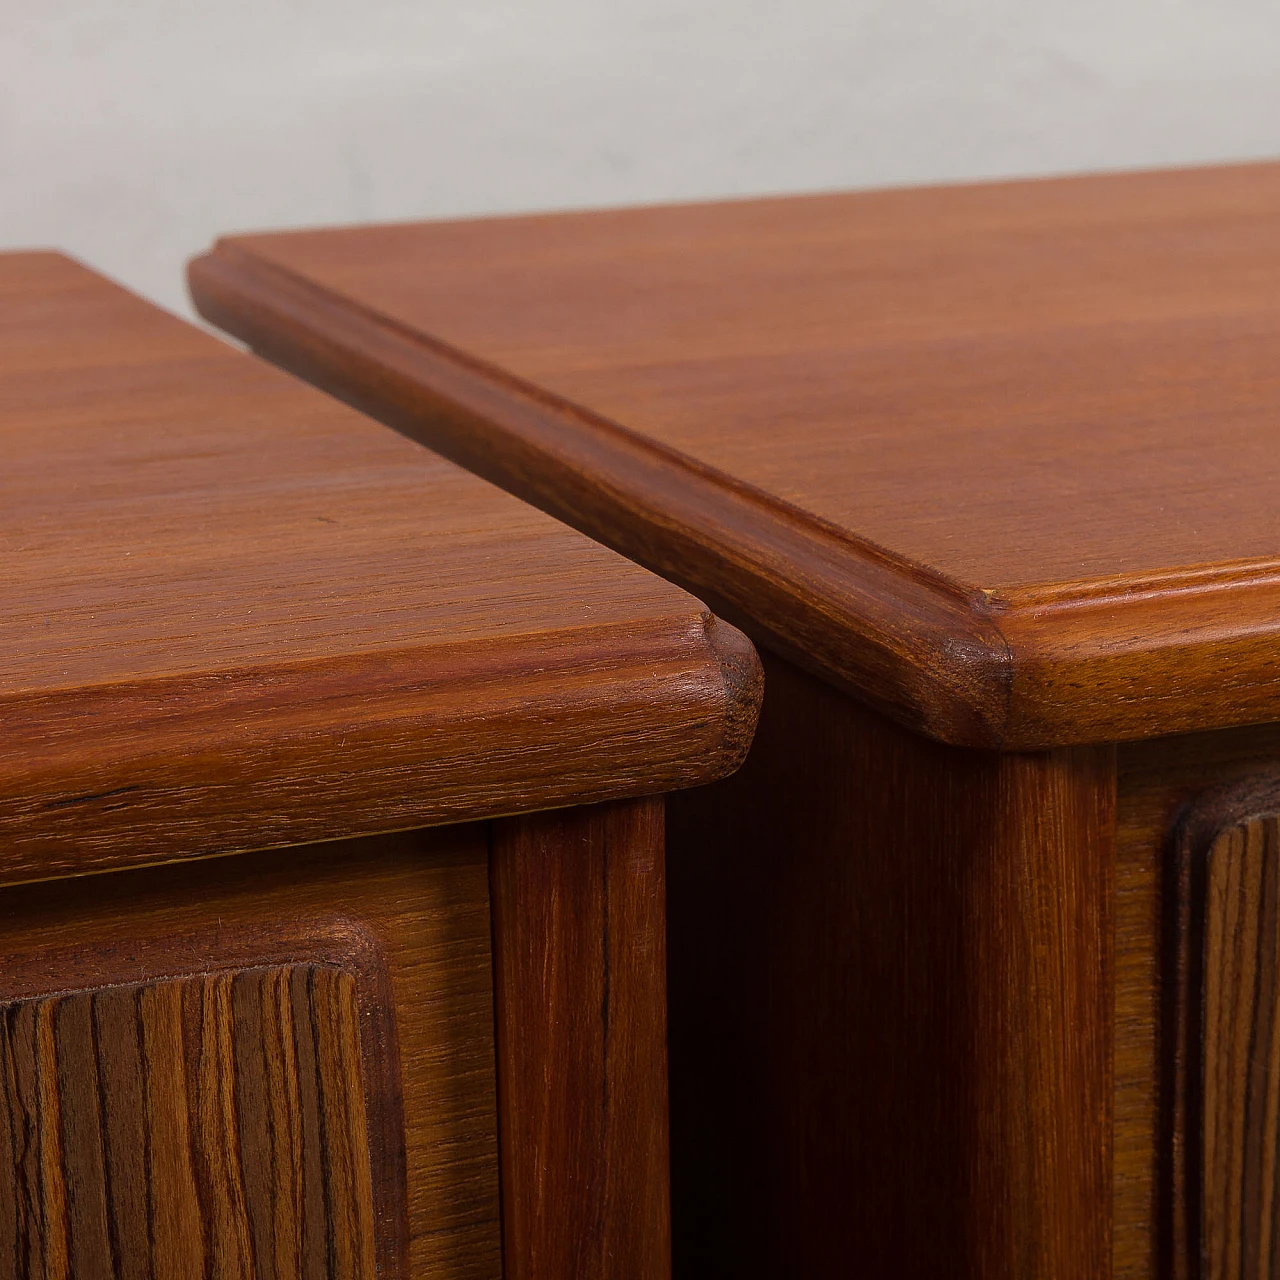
(204, 1126)
(579, 992)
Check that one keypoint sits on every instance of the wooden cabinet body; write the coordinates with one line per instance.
(331, 832)
(930, 1021)
(980, 993)
(972, 967)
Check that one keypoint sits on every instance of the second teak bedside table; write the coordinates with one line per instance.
(974, 965)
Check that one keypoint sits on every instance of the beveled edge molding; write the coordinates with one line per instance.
(198, 765)
(1202, 823)
(34, 973)
(1091, 662)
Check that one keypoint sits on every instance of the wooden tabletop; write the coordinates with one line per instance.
(1003, 459)
(237, 613)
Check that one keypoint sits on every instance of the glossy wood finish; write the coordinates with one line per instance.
(961, 451)
(214, 1121)
(891, 1022)
(579, 972)
(405, 917)
(237, 615)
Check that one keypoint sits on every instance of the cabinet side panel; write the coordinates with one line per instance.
(890, 1008)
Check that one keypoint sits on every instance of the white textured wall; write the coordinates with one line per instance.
(132, 131)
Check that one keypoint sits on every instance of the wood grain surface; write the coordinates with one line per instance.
(580, 997)
(185, 954)
(890, 968)
(962, 451)
(214, 1122)
(236, 614)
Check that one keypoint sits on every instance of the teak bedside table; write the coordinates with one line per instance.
(974, 965)
(238, 616)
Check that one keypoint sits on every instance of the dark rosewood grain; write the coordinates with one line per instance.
(215, 1121)
(579, 988)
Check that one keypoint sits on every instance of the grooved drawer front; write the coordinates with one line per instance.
(1221, 1151)
(1240, 1096)
(211, 1124)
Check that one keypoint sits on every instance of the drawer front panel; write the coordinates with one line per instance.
(213, 1119)
(275, 1066)
(1195, 1000)
(1238, 1107)
(1225, 1065)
